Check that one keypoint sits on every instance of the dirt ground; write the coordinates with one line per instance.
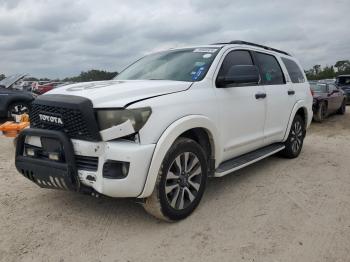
(275, 210)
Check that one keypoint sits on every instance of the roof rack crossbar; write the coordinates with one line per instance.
(240, 42)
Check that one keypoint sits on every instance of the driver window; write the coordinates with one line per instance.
(239, 57)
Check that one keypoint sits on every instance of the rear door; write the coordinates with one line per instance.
(280, 97)
(242, 113)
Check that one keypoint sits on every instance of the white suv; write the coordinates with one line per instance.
(168, 122)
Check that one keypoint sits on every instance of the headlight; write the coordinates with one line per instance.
(108, 118)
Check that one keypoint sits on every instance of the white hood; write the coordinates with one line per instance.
(118, 93)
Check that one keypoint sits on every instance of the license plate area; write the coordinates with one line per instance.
(41, 164)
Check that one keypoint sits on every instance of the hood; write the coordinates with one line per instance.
(119, 93)
(10, 80)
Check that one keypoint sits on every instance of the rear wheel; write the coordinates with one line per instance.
(17, 108)
(181, 182)
(295, 140)
(321, 112)
(342, 109)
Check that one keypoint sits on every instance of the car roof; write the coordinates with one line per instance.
(241, 43)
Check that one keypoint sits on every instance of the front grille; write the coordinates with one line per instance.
(74, 124)
(88, 163)
(76, 113)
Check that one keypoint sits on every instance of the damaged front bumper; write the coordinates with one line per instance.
(116, 168)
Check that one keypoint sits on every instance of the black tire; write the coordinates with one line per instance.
(321, 112)
(295, 141)
(342, 109)
(17, 108)
(171, 197)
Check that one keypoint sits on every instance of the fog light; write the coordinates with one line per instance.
(30, 152)
(54, 156)
(115, 169)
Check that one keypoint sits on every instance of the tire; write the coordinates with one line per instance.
(321, 113)
(342, 109)
(17, 108)
(295, 140)
(180, 183)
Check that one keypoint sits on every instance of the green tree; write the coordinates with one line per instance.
(342, 65)
(92, 75)
(2, 76)
(317, 69)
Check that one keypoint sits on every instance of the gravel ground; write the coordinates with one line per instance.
(275, 210)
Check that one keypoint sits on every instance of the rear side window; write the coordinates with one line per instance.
(239, 57)
(270, 70)
(294, 71)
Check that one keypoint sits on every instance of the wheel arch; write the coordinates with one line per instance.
(301, 109)
(197, 127)
(17, 99)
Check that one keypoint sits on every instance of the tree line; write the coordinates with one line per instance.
(318, 72)
(91, 75)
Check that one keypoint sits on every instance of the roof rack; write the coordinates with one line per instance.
(240, 42)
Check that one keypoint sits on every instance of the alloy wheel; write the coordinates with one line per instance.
(18, 109)
(183, 180)
(296, 136)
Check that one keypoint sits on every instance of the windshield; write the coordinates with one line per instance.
(344, 80)
(319, 88)
(189, 64)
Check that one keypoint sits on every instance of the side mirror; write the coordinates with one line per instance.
(239, 74)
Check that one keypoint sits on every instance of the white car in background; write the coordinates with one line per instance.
(168, 122)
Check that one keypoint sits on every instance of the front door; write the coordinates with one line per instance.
(242, 110)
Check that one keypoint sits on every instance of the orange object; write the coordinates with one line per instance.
(11, 129)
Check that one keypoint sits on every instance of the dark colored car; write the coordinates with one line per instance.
(12, 100)
(343, 81)
(328, 99)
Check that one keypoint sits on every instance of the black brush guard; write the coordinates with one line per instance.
(44, 172)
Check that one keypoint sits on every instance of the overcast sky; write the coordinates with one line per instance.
(60, 38)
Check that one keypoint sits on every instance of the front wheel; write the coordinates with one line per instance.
(17, 108)
(321, 113)
(181, 182)
(342, 109)
(295, 140)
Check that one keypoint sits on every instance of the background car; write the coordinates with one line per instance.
(328, 99)
(12, 100)
(343, 82)
(45, 87)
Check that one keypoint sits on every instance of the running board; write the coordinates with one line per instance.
(247, 159)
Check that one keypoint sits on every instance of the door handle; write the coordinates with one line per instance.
(291, 92)
(260, 95)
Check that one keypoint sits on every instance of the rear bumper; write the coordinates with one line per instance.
(138, 156)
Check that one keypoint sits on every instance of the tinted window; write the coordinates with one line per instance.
(343, 80)
(235, 58)
(296, 76)
(271, 72)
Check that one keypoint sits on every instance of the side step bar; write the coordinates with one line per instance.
(247, 159)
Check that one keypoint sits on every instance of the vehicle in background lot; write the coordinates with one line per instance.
(45, 87)
(12, 100)
(165, 124)
(343, 81)
(327, 81)
(327, 99)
